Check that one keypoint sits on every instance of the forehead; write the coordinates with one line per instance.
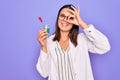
(66, 11)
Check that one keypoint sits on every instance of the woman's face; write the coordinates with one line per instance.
(63, 18)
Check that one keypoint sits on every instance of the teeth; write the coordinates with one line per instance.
(64, 24)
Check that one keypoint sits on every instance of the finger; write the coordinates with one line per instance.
(78, 10)
(74, 8)
(41, 38)
(69, 21)
(71, 11)
(41, 31)
(71, 17)
(44, 38)
(43, 34)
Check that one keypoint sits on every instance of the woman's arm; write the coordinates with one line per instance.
(42, 64)
(43, 60)
(97, 42)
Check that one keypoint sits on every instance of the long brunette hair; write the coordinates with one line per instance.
(73, 32)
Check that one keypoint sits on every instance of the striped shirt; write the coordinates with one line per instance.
(65, 67)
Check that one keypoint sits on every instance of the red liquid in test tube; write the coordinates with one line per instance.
(46, 27)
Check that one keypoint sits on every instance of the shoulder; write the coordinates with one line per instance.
(81, 36)
(50, 43)
(50, 38)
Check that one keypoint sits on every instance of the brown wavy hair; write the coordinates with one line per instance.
(73, 32)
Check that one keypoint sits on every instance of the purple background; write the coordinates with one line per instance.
(19, 25)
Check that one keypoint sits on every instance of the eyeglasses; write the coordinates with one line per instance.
(63, 17)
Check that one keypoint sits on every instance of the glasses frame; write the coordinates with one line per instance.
(64, 17)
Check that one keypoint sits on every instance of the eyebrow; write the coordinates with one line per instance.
(65, 14)
(62, 14)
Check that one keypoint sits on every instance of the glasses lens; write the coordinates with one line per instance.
(62, 16)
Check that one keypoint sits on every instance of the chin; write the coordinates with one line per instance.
(65, 30)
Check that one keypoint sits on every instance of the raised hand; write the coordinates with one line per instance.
(76, 19)
(42, 38)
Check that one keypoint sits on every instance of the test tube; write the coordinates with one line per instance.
(47, 29)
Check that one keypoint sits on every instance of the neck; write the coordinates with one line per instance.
(64, 36)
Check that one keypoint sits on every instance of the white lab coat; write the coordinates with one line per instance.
(91, 40)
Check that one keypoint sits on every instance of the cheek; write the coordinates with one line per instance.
(59, 23)
(70, 26)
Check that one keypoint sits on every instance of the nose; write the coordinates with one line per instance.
(66, 18)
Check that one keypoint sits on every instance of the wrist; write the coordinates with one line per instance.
(82, 24)
(44, 48)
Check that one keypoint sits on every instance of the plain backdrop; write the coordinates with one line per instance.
(19, 26)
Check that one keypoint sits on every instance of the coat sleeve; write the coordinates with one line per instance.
(97, 42)
(42, 64)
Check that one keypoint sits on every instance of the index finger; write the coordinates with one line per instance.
(71, 11)
(73, 8)
(42, 31)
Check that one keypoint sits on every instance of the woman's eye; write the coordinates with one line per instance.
(62, 15)
(71, 18)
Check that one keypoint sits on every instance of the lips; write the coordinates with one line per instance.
(64, 24)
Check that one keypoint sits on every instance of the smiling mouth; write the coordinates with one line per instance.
(64, 24)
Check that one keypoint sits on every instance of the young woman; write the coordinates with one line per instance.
(64, 55)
